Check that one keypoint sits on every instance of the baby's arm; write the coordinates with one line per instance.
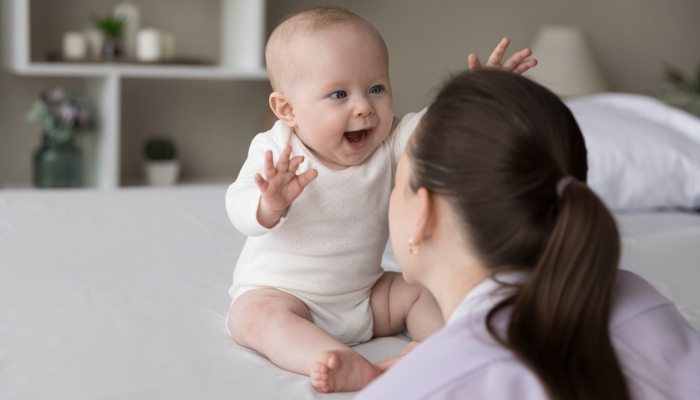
(243, 198)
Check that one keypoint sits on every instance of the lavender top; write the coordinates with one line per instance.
(657, 348)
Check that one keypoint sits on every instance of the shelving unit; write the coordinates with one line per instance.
(241, 58)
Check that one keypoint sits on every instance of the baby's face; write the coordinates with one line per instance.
(340, 95)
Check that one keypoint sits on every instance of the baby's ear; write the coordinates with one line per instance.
(282, 108)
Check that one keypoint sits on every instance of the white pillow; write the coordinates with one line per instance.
(642, 154)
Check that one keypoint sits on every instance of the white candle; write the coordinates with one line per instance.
(148, 45)
(74, 46)
(132, 24)
(167, 41)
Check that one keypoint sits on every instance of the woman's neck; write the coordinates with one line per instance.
(458, 274)
(450, 293)
(456, 270)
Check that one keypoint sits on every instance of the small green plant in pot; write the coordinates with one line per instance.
(111, 26)
(161, 167)
(684, 92)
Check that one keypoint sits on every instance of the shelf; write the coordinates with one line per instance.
(140, 183)
(217, 180)
(140, 71)
(241, 58)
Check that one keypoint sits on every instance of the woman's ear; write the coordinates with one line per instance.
(424, 209)
(282, 108)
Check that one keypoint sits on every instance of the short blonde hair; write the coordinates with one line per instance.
(310, 19)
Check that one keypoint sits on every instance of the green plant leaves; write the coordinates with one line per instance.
(158, 149)
(110, 24)
(680, 80)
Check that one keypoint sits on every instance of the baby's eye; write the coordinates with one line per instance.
(376, 89)
(340, 94)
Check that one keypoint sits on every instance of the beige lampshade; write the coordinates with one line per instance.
(565, 63)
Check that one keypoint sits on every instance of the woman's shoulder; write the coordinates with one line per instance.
(658, 349)
(632, 297)
(635, 299)
(503, 379)
(452, 361)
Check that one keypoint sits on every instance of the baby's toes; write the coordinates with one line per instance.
(321, 384)
(320, 368)
(333, 361)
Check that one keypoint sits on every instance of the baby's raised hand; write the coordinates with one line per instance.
(281, 185)
(516, 64)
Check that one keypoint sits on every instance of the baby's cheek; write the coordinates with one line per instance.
(383, 131)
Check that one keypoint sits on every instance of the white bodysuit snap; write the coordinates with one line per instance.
(327, 250)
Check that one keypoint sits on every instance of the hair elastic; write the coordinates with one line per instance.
(563, 183)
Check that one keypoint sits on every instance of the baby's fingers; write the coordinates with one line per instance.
(306, 178)
(270, 170)
(524, 66)
(497, 55)
(297, 185)
(294, 163)
(474, 62)
(262, 183)
(283, 162)
(516, 59)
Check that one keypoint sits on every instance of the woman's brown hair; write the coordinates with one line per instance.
(496, 144)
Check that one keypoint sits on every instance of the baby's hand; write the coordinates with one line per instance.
(516, 64)
(281, 186)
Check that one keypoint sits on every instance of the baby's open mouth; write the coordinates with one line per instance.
(357, 139)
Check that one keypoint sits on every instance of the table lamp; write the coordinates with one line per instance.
(566, 65)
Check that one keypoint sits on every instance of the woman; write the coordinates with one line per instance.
(523, 259)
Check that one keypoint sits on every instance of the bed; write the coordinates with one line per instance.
(123, 294)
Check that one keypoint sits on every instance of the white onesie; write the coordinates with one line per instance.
(327, 250)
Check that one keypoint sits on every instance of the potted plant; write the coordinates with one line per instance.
(111, 25)
(161, 166)
(62, 116)
(685, 91)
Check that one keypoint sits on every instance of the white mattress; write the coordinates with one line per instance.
(123, 295)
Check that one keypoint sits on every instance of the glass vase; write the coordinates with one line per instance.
(111, 48)
(58, 164)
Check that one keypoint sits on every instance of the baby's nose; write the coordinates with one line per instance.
(363, 108)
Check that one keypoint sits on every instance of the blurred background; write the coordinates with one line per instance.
(212, 119)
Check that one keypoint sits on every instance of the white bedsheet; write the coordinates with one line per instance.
(123, 295)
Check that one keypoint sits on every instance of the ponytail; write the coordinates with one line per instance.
(496, 146)
(559, 320)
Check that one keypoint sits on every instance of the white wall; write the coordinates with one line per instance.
(213, 122)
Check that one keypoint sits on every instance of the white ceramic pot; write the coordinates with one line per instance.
(162, 173)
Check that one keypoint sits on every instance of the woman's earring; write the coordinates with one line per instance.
(411, 249)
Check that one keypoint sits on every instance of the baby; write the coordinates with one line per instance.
(313, 196)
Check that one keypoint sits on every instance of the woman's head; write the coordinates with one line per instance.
(492, 148)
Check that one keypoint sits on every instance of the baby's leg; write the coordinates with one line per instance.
(396, 305)
(278, 325)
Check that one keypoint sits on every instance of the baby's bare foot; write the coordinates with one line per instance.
(342, 371)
